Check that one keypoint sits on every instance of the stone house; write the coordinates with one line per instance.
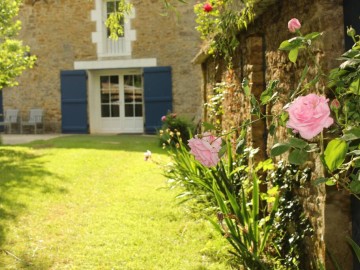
(332, 214)
(88, 83)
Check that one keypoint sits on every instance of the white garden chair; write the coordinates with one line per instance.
(36, 120)
(10, 118)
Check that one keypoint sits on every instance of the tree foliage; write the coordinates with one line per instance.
(116, 19)
(14, 56)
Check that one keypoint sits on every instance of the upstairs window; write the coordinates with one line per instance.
(113, 7)
(107, 47)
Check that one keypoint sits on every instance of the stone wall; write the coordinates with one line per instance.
(59, 33)
(174, 41)
(259, 59)
(55, 32)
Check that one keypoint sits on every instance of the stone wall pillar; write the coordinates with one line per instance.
(254, 71)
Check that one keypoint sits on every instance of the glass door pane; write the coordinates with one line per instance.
(133, 96)
(109, 96)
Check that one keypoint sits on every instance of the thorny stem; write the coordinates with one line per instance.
(318, 67)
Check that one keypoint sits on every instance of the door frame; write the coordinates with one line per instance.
(102, 125)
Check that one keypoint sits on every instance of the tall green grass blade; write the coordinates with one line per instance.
(255, 210)
(355, 247)
(269, 224)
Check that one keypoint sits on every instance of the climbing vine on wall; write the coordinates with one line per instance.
(219, 22)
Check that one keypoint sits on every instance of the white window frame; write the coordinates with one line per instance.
(105, 46)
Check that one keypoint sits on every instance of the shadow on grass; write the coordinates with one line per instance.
(21, 175)
(130, 143)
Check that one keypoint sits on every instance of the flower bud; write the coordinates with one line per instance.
(294, 25)
(345, 108)
(350, 32)
(335, 104)
(207, 7)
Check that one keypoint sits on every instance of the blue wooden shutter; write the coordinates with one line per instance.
(157, 96)
(74, 101)
(1, 110)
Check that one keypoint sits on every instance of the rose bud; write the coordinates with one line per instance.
(335, 104)
(294, 25)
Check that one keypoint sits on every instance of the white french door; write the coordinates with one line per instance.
(117, 101)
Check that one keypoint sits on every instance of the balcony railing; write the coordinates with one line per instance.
(115, 47)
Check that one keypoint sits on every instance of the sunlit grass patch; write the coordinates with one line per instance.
(92, 202)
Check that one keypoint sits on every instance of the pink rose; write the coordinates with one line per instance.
(206, 149)
(207, 7)
(294, 25)
(309, 115)
(163, 118)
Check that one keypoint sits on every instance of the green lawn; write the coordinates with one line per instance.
(92, 202)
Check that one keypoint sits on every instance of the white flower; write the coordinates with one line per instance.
(147, 155)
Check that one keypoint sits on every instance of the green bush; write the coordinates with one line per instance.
(174, 129)
(265, 230)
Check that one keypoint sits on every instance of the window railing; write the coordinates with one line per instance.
(115, 47)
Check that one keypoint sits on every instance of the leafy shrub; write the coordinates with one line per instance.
(174, 129)
(197, 180)
(266, 230)
(248, 226)
(291, 226)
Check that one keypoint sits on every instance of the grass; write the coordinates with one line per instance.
(92, 202)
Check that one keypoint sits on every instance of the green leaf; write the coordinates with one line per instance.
(298, 143)
(222, 151)
(285, 45)
(272, 129)
(265, 165)
(355, 87)
(330, 182)
(312, 147)
(293, 54)
(313, 35)
(355, 248)
(351, 63)
(284, 116)
(354, 152)
(302, 78)
(298, 157)
(335, 153)
(290, 44)
(351, 135)
(265, 97)
(279, 148)
(355, 187)
(255, 107)
(269, 94)
(320, 180)
(351, 53)
(255, 207)
(240, 146)
(208, 126)
(246, 87)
